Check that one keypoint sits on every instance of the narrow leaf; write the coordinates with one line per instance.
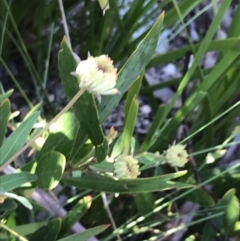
(22, 200)
(17, 139)
(48, 232)
(8, 205)
(86, 234)
(107, 184)
(11, 181)
(101, 151)
(216, 45)
(129, 126)
(29, 228)
(4, 115)
(5, 96)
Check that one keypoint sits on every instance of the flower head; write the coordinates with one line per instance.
(176, 156)
(97, 75)
(126, 167)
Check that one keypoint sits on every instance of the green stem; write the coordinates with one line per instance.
(105, 202)
(13, 232)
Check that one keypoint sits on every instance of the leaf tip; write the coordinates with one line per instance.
(64, 38)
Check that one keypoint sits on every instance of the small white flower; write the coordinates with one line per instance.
(176, 156)
(97, 75)
(126, 167)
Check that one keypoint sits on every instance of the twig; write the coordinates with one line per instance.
(12, 232)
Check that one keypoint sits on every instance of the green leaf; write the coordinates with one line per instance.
(231, 215)
(17, 139)
(48, 232)
(107, 184)
(32, 110)
(11, 181)
(50, 169)
(198, 95)
(22, 200)
(86, 234)
(61, 138)
(101, 151)
(149, 160)
(184, 6)
(104, 166)
(208, 116)
(216, 45)
(129, 126)
(194, 100)
(85, 107)
(234, 28)
(145, 204)
(29, 167)
(83, 154)
(75, 215)
(80, 139)
(209, 233)
(4, 115)
(132, 69)
(201, 197)
(236, 231)
(8, 205)
(117, 148)
(29, 228)
(5, 96)
(133, 92)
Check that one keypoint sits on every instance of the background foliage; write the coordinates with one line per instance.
(58, 186)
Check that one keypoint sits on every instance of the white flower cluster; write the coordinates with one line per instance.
(126, 167)
(97, 75)
(176, 156)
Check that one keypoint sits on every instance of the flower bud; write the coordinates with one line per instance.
(176, 156)
(126, 167)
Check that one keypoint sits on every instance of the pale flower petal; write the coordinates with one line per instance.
(97, 75)
(111, 92)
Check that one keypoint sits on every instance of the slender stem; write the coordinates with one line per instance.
(65, 109)
(65, 26)
(24, 52)
(17, 83)
(105, 202)
(13, 232)
(3, 31)
(45, 75)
